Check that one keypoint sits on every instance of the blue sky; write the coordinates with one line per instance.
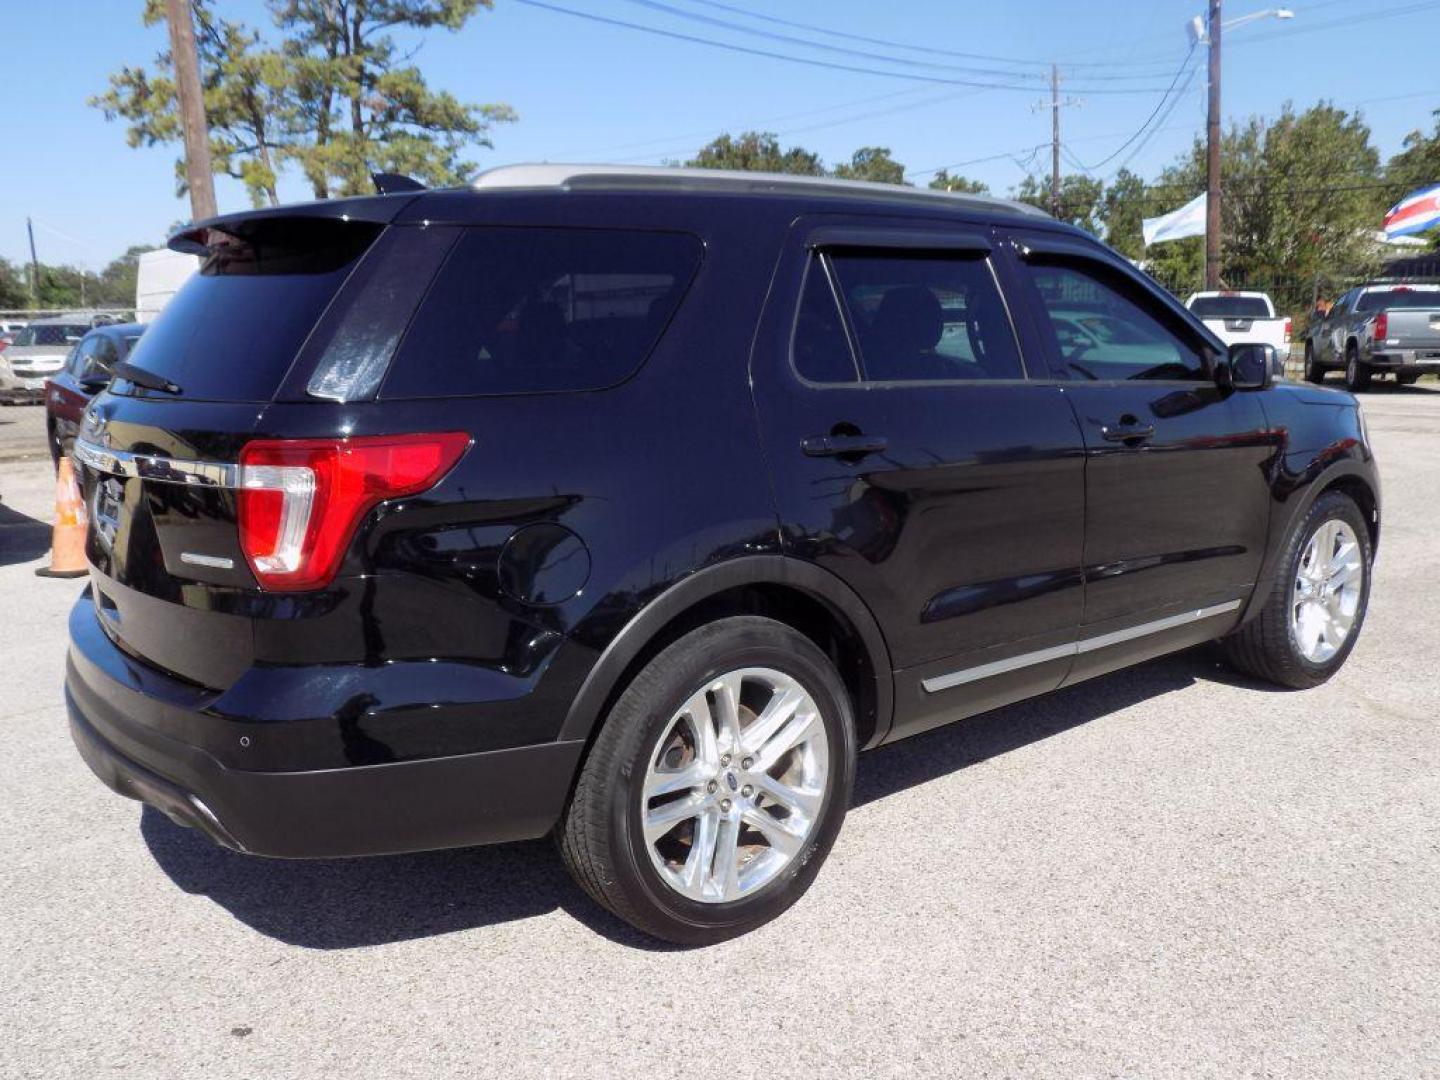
(587, 91)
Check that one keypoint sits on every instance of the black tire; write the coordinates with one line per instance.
(1406, 380)
(1357, 375)
(1265, 646)
(1313, 371)
(599, 835)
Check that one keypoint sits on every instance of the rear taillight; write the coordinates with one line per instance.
(1382, 325)
(1288, 327)
(300, 500)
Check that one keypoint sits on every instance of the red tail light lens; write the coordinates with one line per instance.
(1382, 325)
(1289, 327)
(301, 500)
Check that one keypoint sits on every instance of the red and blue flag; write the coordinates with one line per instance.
(1416, 212)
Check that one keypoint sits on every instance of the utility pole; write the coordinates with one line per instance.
(198, 176)
(1212, 157)
(34, 266)
(1054, 140)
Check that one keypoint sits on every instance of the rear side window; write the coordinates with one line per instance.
(924, 318)
(233, 329)
(1230, 307)
(521, 310)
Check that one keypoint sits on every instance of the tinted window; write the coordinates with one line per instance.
(1230, 307)
(1395, 299)
(1105, 330)
(927, 318)
(233, 329)
(52, 334)
(530, 310)
(821, 348)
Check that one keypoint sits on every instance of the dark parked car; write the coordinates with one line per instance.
(630, 505)
(86, 372)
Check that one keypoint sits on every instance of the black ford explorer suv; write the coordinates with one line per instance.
(629, 505)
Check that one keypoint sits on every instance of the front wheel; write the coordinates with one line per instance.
(1313, 613)
(717, 784)
(1313, 371)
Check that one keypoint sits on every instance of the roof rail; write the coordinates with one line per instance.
(669, 178)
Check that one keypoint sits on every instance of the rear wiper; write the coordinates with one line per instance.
(140, 377)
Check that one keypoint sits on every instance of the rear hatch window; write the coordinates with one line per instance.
(527, 310)
(1230, 307)
(233, 330)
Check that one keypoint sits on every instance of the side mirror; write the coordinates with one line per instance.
(1251, 367)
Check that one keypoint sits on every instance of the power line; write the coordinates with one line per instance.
(1148, 120)
(732, 47)
(884, 58)
(931, 50)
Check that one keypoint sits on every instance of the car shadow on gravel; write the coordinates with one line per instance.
(948, 749)
(352, 903)
(22, 538)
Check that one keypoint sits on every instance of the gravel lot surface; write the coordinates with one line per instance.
(1166, 872)
(22, 432)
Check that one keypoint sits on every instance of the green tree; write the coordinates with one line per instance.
(335, 97)
(756, 151)
(1079, 198)
(1122, 207)
(114, 286)
(872, 163)
(249, 104)
(14, 293)
(364, 108)
(944, 181)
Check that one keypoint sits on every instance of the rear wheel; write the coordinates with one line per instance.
(1357, 375)
(1314, 611)
(1313, 371)
(1406, 380)
(716, 785)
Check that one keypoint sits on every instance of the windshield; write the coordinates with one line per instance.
(1231, 307)
(1402, 297)
(51, 334)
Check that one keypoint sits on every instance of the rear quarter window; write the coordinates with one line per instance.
(532, 310)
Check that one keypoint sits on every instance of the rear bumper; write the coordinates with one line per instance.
(131, 740)
(1408, 361)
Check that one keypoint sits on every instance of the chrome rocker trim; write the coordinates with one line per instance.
(1075, 648)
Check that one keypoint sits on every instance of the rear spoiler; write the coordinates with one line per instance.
(202, 237)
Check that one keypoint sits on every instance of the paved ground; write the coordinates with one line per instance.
(22, 432)
(1166, 872)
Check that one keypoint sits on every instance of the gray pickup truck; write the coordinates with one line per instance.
(1377, 329)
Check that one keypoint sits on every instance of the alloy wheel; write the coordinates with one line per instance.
(735, 785)
(1325, 598)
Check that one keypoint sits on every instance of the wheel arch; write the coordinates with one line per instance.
(1350, 477)
(811, 600)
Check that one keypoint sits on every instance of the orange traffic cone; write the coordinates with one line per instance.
(67, 544)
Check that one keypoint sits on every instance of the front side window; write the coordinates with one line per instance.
(1104, 330)
(920, 317)
(530, 310)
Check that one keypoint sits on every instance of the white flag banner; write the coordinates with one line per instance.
(1189, 220)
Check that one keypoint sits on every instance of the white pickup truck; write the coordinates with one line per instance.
(1244, 318)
